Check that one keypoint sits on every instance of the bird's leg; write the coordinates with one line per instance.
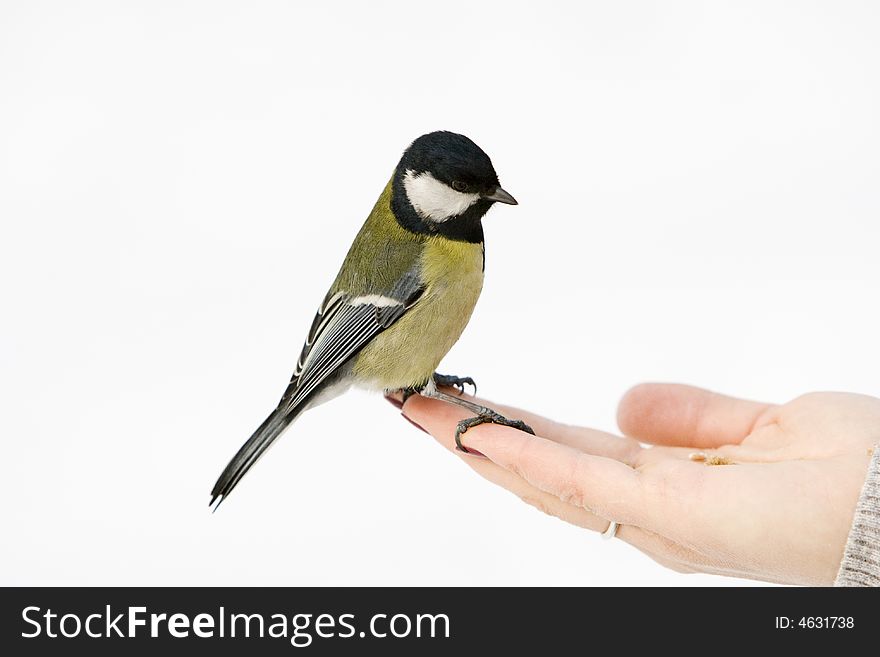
(482, 415)
(452, 381)
(438, 380)
(406, 393)
(448, 380)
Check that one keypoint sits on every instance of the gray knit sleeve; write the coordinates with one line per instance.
(861, 557)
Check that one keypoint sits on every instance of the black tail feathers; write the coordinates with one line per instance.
(250, 452)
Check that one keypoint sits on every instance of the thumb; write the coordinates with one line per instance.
(674, 414)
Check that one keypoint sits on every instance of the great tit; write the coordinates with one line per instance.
(403, 296)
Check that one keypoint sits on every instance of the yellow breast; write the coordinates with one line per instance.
(408, 353)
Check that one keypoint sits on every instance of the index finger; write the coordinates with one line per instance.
(585, 439)
(602, 485)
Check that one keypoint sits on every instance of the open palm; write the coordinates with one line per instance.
(726, 486)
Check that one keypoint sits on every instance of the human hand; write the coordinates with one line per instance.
(779, 510)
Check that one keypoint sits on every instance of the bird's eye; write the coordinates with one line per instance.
(459, 186)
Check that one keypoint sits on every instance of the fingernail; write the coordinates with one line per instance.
(417, 426)
(394, 402)
(468, 451)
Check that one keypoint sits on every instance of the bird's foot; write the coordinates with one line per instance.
(454, 382)
(491, 417)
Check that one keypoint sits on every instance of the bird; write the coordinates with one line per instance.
(401, 299)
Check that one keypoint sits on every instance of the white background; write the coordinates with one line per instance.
(180, 181)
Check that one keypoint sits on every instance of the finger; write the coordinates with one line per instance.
(440, 420)
(599, 484)
(542, 501)
(588, 440)
(673, 414)
(542, 425)
(584, 439)
(658, 548)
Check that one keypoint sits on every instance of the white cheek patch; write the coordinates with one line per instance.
(434, 200)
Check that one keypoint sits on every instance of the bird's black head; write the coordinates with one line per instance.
(444, 185)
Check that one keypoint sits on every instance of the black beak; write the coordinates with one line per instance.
(501, 196)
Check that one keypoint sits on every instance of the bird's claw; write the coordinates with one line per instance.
(486, 418)
(452, 381)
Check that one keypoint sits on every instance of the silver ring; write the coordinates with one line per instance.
(611, 532)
